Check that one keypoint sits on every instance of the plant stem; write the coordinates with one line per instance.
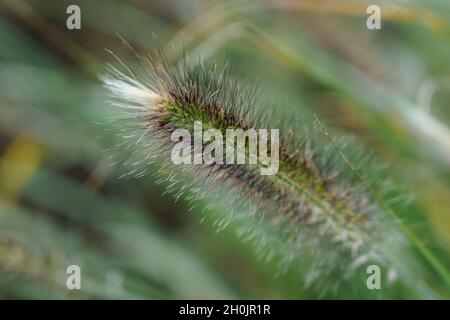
(426, 253)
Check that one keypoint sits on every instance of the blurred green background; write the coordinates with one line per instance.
(61, 199)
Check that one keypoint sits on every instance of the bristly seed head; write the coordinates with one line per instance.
(314, 206)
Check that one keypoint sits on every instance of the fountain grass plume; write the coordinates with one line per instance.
(314, 206)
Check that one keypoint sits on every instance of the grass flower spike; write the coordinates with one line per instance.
(315, 207)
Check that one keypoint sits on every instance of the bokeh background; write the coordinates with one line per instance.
(61, 199)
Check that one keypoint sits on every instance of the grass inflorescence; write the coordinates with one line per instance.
(317, 209)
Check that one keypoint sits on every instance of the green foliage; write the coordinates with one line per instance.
(62, 201)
